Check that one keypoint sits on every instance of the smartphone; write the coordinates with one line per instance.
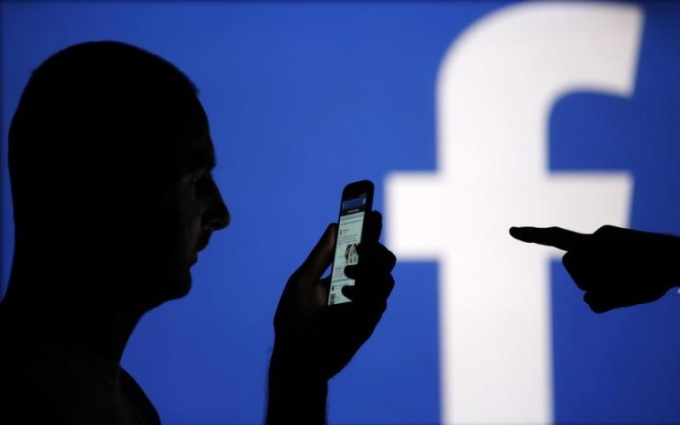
(355, 204)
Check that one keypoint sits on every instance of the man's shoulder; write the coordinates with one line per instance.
(23, 401)
(138, 399)
(38, 387)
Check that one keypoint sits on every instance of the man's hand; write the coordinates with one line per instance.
(615, 267)
(320, 339)
(315, 341)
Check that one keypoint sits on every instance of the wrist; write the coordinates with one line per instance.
(288, 364)
(295, 395)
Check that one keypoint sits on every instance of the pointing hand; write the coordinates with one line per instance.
(615, 267)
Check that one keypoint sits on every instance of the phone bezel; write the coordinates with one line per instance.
(351, 191)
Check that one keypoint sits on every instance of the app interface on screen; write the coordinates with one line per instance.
(351, 222)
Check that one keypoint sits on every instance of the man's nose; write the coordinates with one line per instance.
(217, 216)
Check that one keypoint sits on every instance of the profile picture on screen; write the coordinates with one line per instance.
(351, 254)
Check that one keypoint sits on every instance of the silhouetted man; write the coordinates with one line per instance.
(110, 162)
(615, 267)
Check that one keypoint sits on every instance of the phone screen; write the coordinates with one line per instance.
(350, 226)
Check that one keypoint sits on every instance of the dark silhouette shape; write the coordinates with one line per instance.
(615, 267)
(110, 162)
(315, 342)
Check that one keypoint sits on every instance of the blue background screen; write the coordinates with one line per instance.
(304, 97)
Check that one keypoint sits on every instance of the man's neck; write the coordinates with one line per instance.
(98, 324)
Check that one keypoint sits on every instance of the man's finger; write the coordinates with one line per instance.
(374, 259)
(550, 236)
(599, 301)
(580, 274)
(349, 291)
(321, 256)
(373, 227)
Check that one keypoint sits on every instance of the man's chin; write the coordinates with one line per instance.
(178, 288)
(168, 289)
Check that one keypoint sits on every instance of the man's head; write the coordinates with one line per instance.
(109, 159)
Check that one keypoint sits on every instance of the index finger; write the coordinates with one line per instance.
(549, 236)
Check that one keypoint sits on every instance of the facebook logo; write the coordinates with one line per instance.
(470, 117)
(496, 89)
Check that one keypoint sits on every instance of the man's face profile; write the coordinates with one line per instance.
(177, 222)
(198, 208)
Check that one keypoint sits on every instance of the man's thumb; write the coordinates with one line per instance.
(321, 256)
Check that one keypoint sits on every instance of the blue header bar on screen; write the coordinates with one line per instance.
(354, 203)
